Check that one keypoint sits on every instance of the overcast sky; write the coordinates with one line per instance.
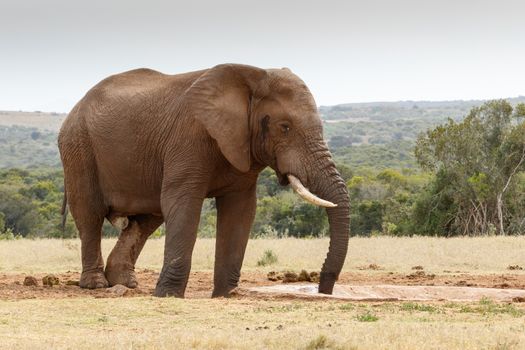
(53, 51)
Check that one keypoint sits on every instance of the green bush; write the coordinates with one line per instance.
(7, 235)
(268, 258)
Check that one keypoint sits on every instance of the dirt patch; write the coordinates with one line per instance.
(200, 284)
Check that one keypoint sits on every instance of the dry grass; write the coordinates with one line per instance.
(247, 324)
(146, 322)
(472, 255)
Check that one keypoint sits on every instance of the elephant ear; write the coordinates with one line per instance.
(220, 100)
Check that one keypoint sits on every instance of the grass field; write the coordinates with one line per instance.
(266, 323)
(473, 255)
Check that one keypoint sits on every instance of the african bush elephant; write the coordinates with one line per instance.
(142, 148)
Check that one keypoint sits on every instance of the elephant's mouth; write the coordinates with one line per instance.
(283, 179)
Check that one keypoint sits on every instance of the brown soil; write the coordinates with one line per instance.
(201, 283)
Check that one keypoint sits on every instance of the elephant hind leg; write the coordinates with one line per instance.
(120, 268)
(87, 206)
(89, 217)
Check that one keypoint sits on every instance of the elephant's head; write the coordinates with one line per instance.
(268, 117)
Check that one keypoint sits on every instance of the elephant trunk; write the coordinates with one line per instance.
(325, 181)
(339, 220)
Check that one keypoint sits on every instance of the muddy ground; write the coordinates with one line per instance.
(201, 283)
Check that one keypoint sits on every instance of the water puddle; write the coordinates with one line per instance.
(394, 292)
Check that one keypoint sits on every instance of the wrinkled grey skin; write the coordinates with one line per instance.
(149, 147)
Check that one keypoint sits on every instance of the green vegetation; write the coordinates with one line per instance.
(410, 306)
(478, 165)
(367, 317)
(30, 202)
(23, 147)
(268, 258)
(411, 168)
(489, 307)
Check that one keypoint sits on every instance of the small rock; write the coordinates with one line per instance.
(314, 276)
(274, 276)
(118, 290)
(420, 274)
(417, 274)
(370, 267)
(304, 276)
(30, 281)
(417, 267)
(290, 276)
(72, 283)
(50, 280)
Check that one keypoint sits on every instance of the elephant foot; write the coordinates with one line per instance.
(167, 287)
(173, 279)
(163, 291)
(121, 275)
(93, 280)
(224, 290)
(222, 293)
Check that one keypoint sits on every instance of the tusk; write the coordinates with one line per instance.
(307, 195)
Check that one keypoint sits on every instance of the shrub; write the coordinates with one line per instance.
(268, 258)
(7, 235)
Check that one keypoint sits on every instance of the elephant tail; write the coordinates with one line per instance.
(64, 211)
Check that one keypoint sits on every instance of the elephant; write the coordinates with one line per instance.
(143, 148)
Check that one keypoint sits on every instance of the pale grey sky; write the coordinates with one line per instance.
(53, 51)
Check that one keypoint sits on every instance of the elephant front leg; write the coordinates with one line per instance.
(235, 214)
(182, 214)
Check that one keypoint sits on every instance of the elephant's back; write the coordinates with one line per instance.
(121, 122)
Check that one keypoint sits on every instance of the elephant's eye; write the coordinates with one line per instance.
(286, 128)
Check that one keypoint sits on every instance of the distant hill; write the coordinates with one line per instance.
(39, 120)
(374, 134)
(379, 111)
(382, 134)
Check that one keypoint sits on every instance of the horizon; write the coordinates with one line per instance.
(324, 106)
